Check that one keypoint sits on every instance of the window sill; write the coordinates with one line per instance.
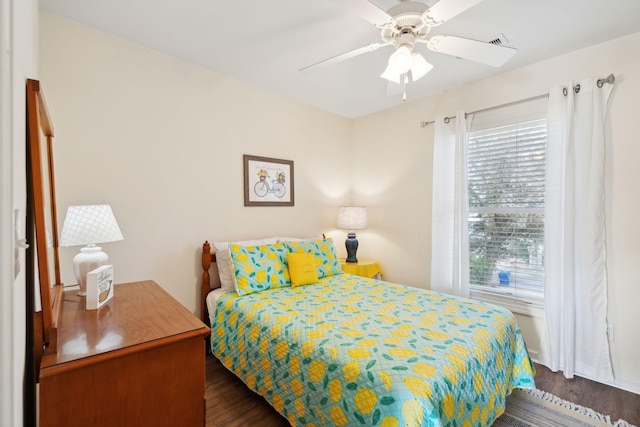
(528, 307)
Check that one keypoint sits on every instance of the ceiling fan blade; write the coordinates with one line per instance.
(367, 11)
(445, 10)
(347, 55)
(474, 50)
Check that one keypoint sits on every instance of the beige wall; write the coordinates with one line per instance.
(19, 23)
(393, 178)
(161, 141)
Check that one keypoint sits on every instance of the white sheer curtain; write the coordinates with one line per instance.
(575, 250)
(449, 229)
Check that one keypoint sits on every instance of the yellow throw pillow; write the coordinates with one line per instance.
(327, 263)
(302, 268)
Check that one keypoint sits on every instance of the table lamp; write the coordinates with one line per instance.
(88, 225)
(352, 218)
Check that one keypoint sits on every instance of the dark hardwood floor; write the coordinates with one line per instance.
(231, 404)
(617, 403)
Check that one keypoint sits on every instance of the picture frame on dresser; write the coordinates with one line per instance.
(43, 260)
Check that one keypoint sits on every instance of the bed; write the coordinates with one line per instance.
(345, 350)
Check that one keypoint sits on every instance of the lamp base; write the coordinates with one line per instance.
(352, 247)
(88, 259)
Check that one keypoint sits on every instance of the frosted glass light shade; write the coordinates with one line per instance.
(401, 59)
(352, 217)
(419, 66)
(390, 73)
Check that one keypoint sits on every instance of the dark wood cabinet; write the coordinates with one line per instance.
(138, 360)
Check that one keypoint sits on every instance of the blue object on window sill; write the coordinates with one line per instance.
(504, 278)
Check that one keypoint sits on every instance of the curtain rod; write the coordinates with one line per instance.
(600, 82)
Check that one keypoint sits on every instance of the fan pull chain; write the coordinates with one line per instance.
(404, 87)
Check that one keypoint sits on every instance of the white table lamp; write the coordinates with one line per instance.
(88, 225)
(352, 218)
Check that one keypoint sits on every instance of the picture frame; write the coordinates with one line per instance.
(99, 287)
(268, 181)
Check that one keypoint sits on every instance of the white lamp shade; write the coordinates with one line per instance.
(352, 217)
(390, 73)
(399, 63)
(419, 66)
(89, 224)
(401, 59)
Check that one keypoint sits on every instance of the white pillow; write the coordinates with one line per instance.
(224, 263)
(294, 239)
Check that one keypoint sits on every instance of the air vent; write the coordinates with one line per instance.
(499, 40)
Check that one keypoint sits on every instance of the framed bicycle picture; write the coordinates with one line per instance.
(267, 181)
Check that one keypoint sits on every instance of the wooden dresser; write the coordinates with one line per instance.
(137, 361)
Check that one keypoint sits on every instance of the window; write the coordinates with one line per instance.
(506, 183)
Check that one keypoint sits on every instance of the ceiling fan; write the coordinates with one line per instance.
(410, 22)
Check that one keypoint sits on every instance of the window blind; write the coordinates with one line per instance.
(506, 180)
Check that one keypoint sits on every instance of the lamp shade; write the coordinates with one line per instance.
(89, 224)
(403, 61)
(352, 217)
(419, 66)
(400, 60)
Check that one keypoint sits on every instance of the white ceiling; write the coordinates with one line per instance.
(265, 43)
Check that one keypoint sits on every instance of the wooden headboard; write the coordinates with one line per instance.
(207, 258)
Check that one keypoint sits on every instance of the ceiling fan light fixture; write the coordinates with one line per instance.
(400, 60)
(419, 66)
(410, 22)
(390, 73)
(396, 66)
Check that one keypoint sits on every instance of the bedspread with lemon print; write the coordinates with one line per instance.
(349, 351)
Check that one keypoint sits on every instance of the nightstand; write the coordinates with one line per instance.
(364, 268)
